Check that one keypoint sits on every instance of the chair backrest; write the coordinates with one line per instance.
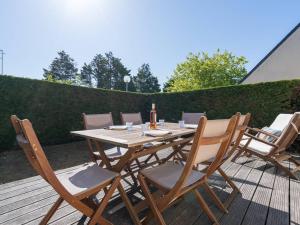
(26, 147)
(219, 134)
(192, 118)
(211, 140)
(97, 121)
(289, 134)
(135, 118)
(241, 127)
(281, 121)
(243, 121)
(29, 142)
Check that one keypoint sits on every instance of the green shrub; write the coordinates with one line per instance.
(55, 109)
(264, 101)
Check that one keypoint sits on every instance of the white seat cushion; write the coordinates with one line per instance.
(87, 176)
(257, 146)
(281, 121)
(166, 175)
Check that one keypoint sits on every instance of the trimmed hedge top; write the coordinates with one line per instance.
(55, 109)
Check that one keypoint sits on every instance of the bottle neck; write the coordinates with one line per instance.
(153, 106)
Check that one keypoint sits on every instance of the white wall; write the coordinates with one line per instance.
(282, 64)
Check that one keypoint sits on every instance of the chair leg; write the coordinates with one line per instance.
(284, 169)
(97, 215)
(297, 168)
(158, 216)
(51, 211)
(237, 155)
(235, 191)
(205, 207)
(229, 181)
(215, 198)
(128, 205)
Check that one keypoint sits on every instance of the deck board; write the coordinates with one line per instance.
(219, 188)
(189, 210)
(279, 205)
(240, 204)
(268, 197)
(238, 174)
(294, 202)
(258, 209)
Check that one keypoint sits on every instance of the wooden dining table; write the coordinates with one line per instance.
(138, 145)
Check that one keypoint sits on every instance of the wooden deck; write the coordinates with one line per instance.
(267, 198)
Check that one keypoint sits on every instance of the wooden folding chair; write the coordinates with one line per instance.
(188, 118)
(275, 152)
(100, 121)
(243, 121)
(134, 118)
(77, 187)
(191, 118)
(175, 180)
(279, 124)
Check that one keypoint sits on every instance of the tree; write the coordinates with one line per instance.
(86, 75)
(108, 72)
(145, 81)
(62, 68)
(203, 71)
(168, 84)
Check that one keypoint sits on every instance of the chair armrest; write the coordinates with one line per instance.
(263, 132)
(261, 140)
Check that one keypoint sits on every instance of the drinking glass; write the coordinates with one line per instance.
(161, 122)
(129, 126)
(144, 128)
(181, 123)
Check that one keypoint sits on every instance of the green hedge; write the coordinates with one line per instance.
(264, 101)
(55, 109)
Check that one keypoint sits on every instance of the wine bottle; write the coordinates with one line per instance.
(153, 117)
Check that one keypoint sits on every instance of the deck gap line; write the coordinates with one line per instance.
(234, 175)
(32, 210)
(46, 185)
(258, 183)
(251, 200)
(227, 167)
(276, 171)
(251, 169)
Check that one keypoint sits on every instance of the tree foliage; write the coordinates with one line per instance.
(168, 84)
(108, 72)
(62, 68)
(86, 75)
(200, 71)
(104, 71)
(144, 80)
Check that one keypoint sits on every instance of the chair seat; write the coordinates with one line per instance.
(87, 176)
(166, 175)
(257, 146)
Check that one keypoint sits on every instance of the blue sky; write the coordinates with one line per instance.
(158, 32)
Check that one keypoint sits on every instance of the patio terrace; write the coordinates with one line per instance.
(268, 197)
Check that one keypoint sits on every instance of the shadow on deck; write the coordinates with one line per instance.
(267, 196)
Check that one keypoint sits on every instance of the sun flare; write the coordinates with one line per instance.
(77, 6)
